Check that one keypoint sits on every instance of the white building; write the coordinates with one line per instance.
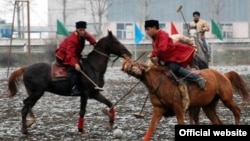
(121, 15)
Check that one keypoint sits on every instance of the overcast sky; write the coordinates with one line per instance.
(38, 12)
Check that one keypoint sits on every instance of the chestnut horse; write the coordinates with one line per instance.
(239, 86)
(37, 79)
(166, 99)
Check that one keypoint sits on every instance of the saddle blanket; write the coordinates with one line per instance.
(58, 71)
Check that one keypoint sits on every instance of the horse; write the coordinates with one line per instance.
(166, 98)
(37, 79)
(239, 86)
(201, 59)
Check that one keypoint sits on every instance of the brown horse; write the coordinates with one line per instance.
(239, 86)
(166, 99)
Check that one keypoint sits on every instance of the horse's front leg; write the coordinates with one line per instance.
(84, 99)
(179, 113)
(111, 112)
(156, 117)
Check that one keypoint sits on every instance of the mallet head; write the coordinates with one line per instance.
(179, 9)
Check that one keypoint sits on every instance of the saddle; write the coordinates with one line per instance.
(58, 72)
(175, 78)
(182, 86)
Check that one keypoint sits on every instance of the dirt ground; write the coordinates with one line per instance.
(57, 115)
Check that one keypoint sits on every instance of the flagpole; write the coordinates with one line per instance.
(135, 51)
(57, 41)
(212, 54)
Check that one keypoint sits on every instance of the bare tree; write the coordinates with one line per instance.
(145, 7)
(10, 5)
(64, 3)
(18, 7)
(67, 8)
(214, 8)
(145, 4)
(98, 9)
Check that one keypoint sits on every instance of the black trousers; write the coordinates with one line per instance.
(73, 74)
(181, 72)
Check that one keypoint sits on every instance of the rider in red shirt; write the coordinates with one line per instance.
(176, 56)
(69, 52)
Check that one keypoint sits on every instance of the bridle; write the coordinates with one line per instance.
(152, 89)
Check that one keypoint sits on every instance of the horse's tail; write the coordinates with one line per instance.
(14, 79)
(239, 85)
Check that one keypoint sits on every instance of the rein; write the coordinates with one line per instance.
(103, 54)
(153, 90)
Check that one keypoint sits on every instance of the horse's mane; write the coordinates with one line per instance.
(98, 44)
(110, 36)
(138, 69)
(158, 68)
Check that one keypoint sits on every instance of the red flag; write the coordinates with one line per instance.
(173, 29)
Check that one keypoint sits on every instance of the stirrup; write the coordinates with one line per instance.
(75, 91)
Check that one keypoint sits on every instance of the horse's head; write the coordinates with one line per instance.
(201, 59)
(111, 45)
(193, 32)
(134, 68)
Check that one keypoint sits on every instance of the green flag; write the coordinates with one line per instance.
(216, 30)
(61, 29)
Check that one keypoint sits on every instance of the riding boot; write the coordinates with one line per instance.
(74, 82)
(75, 90)
(200, 81)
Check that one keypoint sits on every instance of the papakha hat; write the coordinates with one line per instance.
(151, 23)
(81, 24)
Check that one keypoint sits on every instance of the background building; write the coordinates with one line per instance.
(120, 16)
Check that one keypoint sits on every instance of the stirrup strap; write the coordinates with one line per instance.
(175, 78)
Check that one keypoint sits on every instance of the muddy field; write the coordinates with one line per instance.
(57, 115)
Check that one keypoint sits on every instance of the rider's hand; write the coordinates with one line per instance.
(195, 50)
(155, 60)
(150, 55)
(77, 67)
(204, 29)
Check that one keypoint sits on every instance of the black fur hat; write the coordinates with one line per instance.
(81, 24)
(151, 23)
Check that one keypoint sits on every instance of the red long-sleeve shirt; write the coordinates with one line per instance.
(71, 47)
(166, 50)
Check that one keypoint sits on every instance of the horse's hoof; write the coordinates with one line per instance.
(24, 131)
(80, 130)
(110, 126)
(30, 122)
(84, 133)
(106, 112)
